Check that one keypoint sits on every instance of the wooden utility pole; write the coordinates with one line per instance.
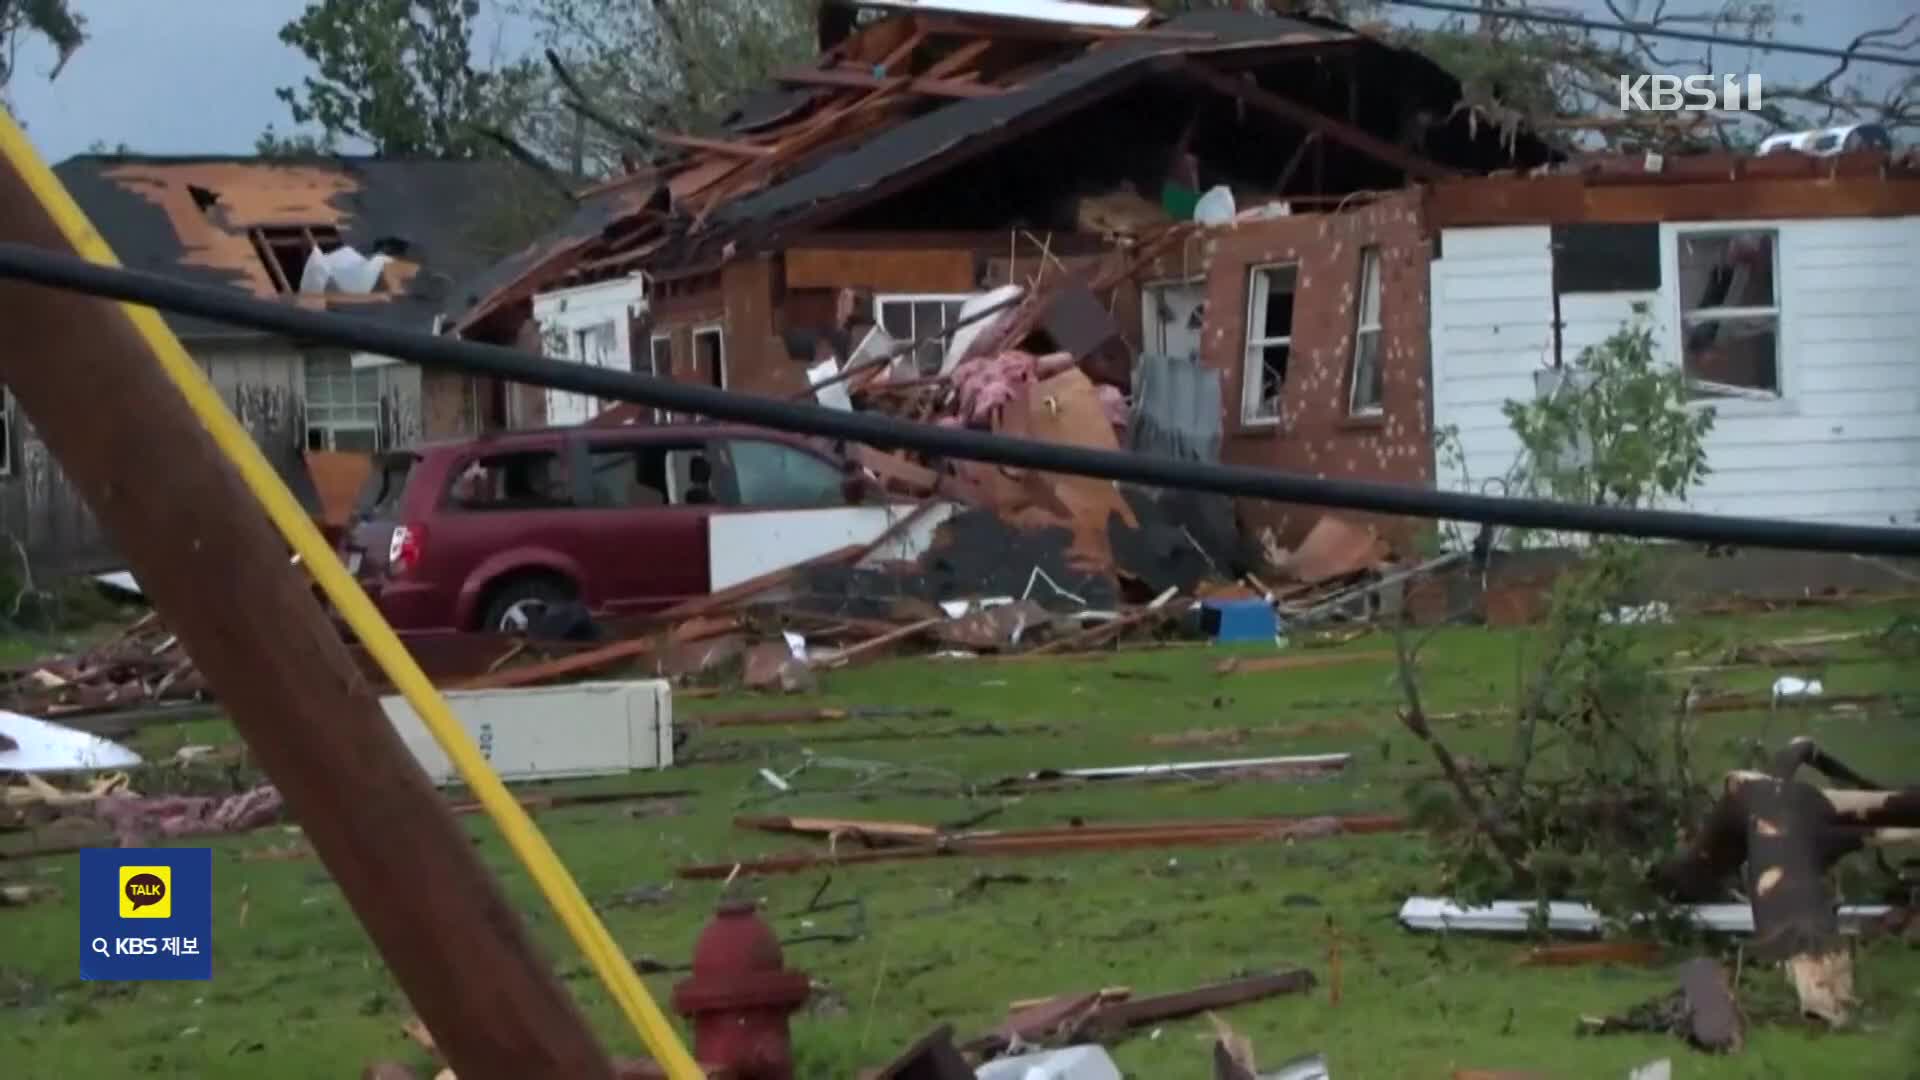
(207, 555)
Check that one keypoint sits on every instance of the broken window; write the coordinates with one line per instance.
(1730, 313)
(710, 355)
(283, 250)
(343, 405)
(1263, 376)
(769, 474)
(1367, 384)
(629, 477)
(523, 480)
(910, 317)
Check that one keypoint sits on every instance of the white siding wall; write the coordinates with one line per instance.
(1842, 444)
(565, 313)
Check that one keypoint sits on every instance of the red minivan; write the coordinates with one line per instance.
(484, 533)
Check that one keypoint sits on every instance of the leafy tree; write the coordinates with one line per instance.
(662, 65)
(394, 73)
(54, 20)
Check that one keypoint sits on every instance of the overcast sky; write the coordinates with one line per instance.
(197, 76)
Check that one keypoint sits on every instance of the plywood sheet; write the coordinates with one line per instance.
(934, 270)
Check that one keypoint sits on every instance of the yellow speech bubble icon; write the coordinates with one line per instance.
(146, 892)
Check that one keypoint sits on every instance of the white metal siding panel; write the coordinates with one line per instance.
(550, 732)
(1843, 444)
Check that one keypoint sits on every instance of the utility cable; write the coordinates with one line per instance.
(515, 365)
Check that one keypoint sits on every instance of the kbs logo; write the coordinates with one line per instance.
(1694, 93)
(146, 892)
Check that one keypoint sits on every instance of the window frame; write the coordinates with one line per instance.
(882, 300)
(1253, 345)
(718, 332)
(1370, 273)
(322, 415)
(723, 451)
(1746, 400)
(563, 454)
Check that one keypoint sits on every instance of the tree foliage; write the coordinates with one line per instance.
(54, 20)
(397, 74)
(661, 65)
(1598, 781)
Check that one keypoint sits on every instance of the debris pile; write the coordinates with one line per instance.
(143, 665)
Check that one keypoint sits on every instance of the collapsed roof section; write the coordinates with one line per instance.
(253, 224)
(947, 119)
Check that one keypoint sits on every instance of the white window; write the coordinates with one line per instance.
(343, 405)
(1263, 375)
(1730, 312)
(660, 366)
(1366, 386)
(710, 355)
(911, 316)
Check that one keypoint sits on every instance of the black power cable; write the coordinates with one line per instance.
(225, 305)
(1651, 30)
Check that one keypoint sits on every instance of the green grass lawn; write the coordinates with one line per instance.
(298, 992)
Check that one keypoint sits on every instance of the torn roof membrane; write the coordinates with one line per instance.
(197, 218)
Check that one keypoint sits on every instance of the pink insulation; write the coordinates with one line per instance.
(984, 384)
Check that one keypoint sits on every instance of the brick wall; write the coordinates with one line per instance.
(1316, 435)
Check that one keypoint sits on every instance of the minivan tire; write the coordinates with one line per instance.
(528, 592)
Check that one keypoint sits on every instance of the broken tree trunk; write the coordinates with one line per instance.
(1788, 834)
(205, 552)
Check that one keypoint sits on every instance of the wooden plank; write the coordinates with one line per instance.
(1567, 200)
(860, 80)
(928, 270)
(717, 146)
(217, 571)
(1313, 120)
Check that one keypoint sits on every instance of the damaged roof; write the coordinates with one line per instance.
(197, 218)
(863, 122)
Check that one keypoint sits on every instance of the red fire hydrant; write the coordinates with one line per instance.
(740, 995)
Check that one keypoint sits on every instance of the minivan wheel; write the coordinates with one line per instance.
(518, 604)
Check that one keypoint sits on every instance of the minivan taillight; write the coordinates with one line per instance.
(405, 549)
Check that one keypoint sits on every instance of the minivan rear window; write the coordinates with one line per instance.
(380, 493)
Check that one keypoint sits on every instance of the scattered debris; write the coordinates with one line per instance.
(136, 821)
(1070, 838)
(32, 745)
(1566, 917)
(931, 1057)
(1236, 665)
(1637, 953)
(1289, 767)
(1067, 1063)
(1702, 1011)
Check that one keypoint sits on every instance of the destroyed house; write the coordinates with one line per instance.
(369, 237)
(930, 156)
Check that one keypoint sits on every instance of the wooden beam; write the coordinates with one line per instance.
(717, 146)
(860, 80)
(216, 569)
(1313, 120)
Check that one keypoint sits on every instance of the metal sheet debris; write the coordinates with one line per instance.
(31, 745)
(1566, 917)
